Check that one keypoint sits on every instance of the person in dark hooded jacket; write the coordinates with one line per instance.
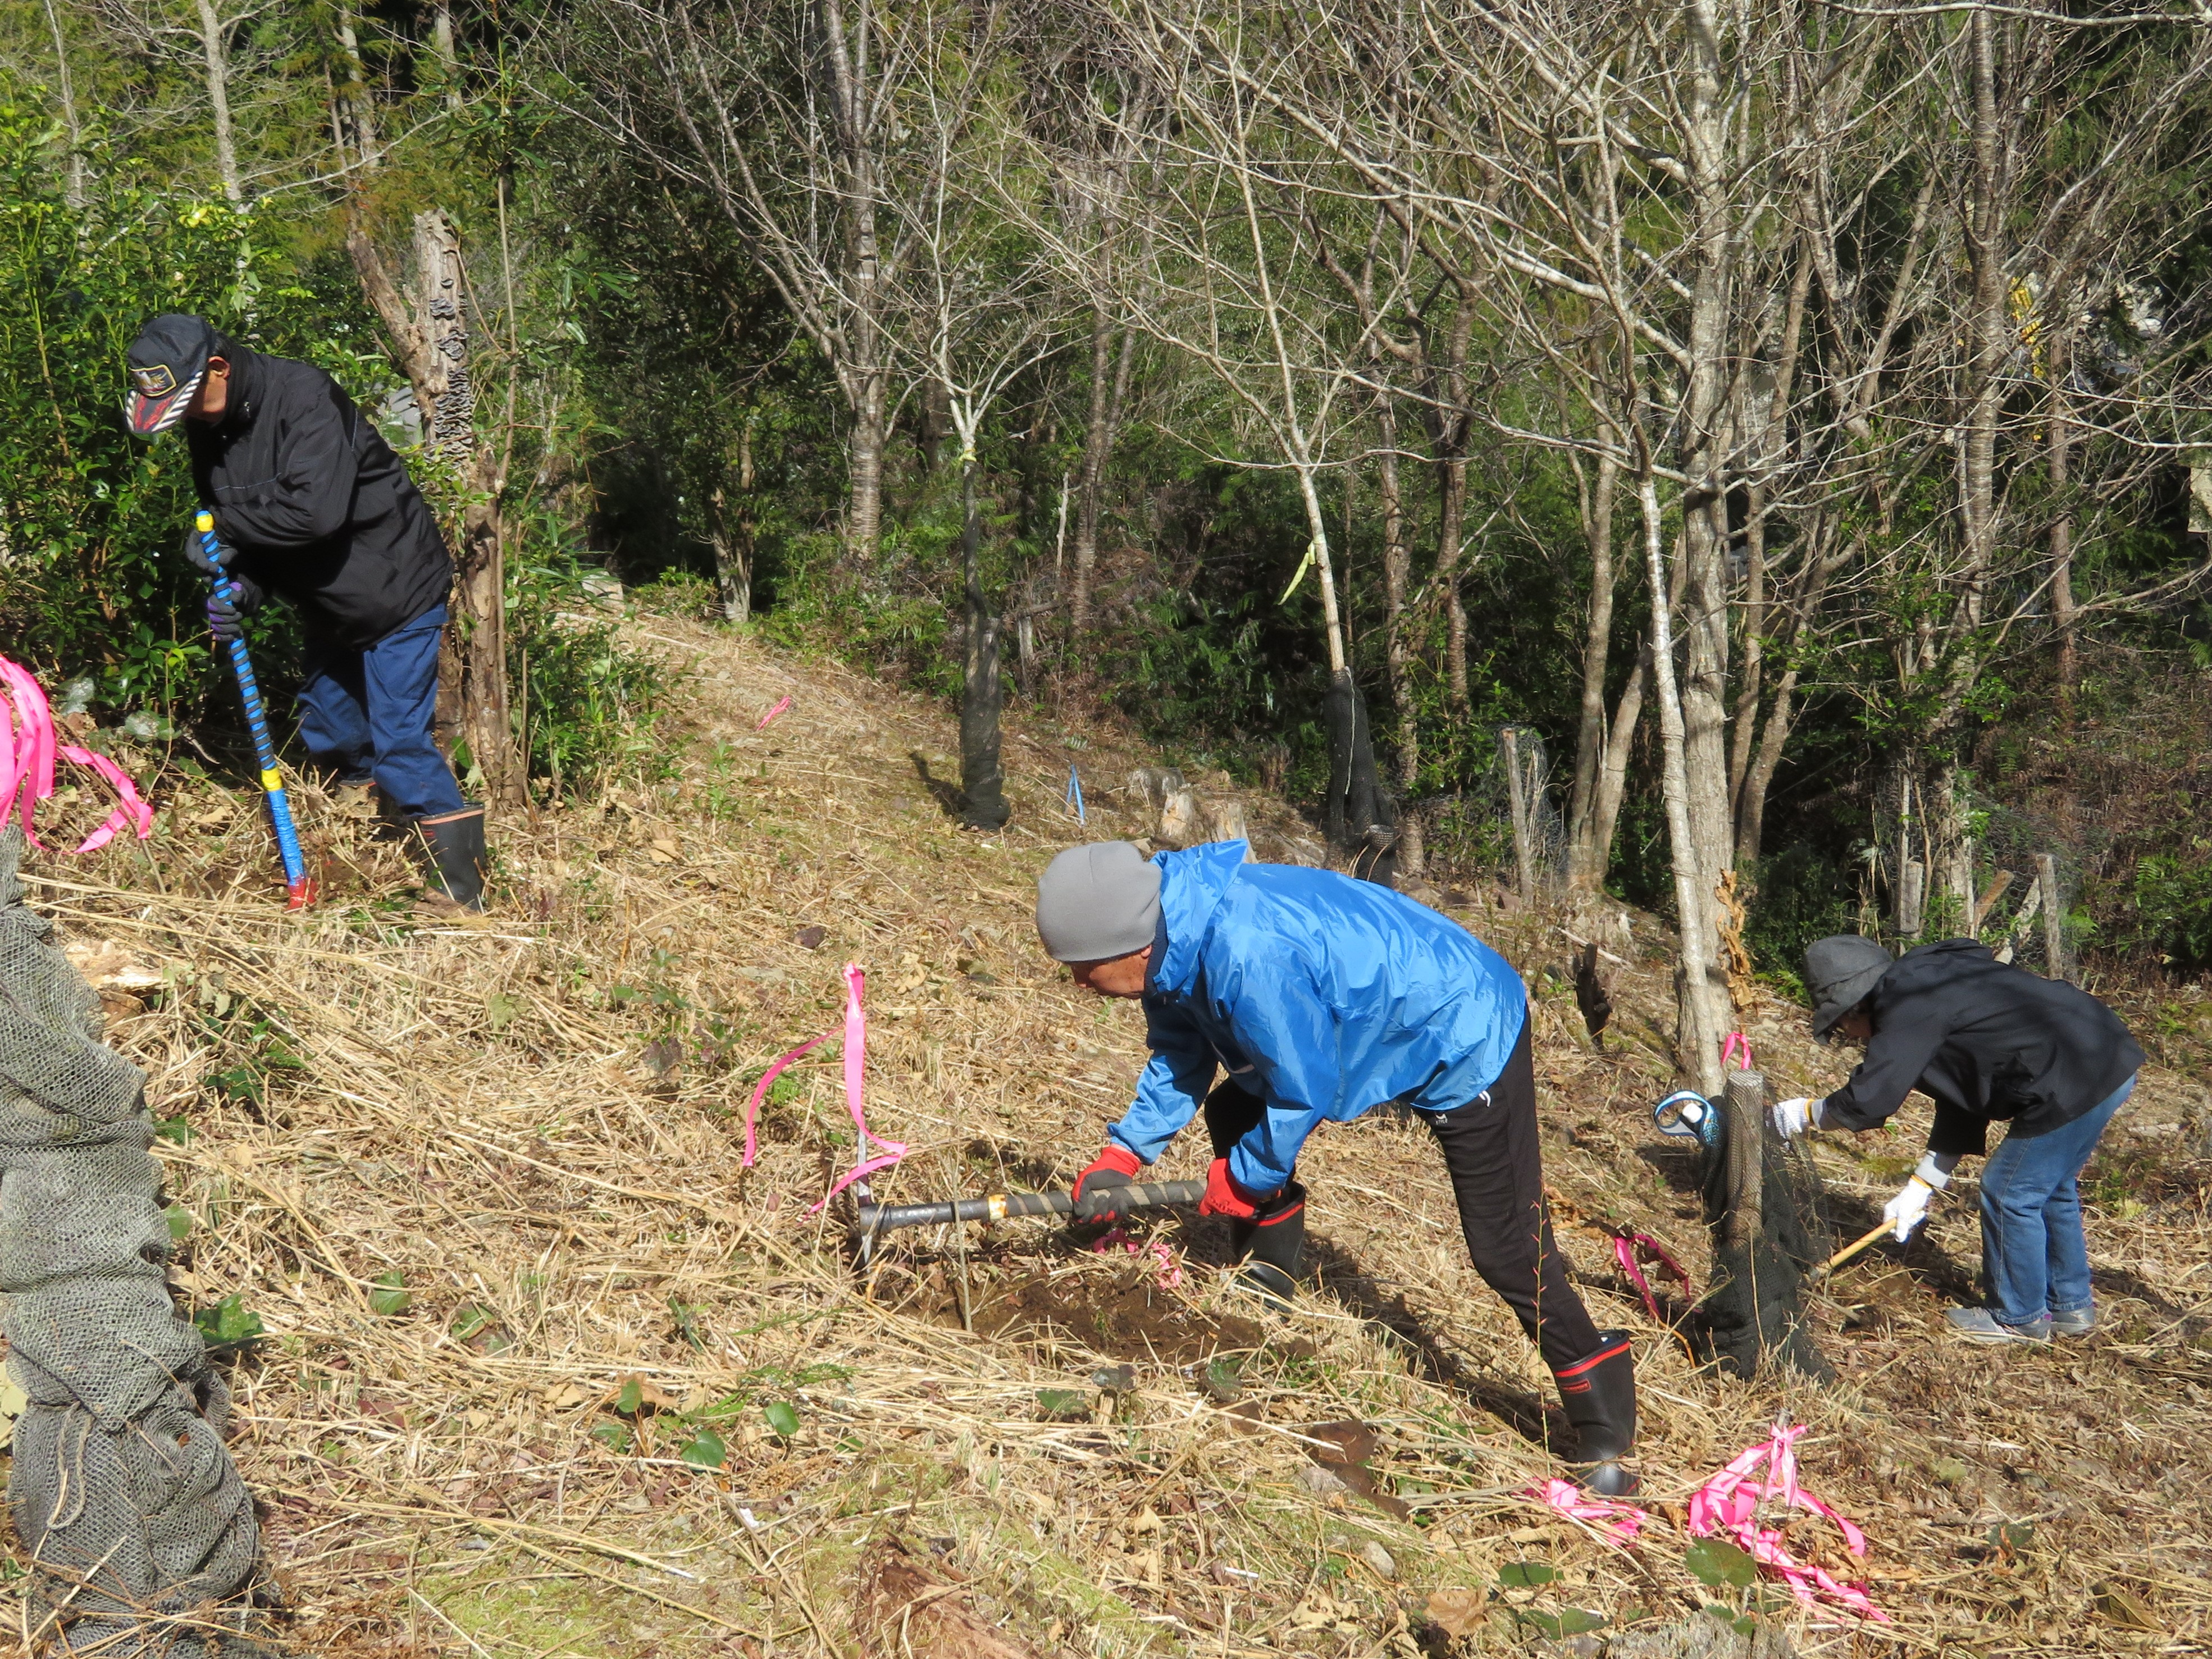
(1987, 1042)
(311, 503)
(1323, 998)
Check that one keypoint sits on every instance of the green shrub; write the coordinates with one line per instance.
(90, 517)
(588, 704)
(2173, 903)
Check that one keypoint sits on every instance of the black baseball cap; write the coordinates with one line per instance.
(168, 361)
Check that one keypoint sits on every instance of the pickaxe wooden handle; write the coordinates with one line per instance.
(1851, 1250)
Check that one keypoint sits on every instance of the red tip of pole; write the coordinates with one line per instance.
(300, 894)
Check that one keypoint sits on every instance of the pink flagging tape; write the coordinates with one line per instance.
(28, 747)
(1627, 1247)
(1737, 1043)
(766, 1082)
(1617, 1521)
(1728, 1503)
(856, 1057)
(1166, 1270)
(856, 1050)
(782, 705)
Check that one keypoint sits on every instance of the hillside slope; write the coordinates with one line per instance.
(544, 1370)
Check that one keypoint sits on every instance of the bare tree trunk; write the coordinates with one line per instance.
(1751, 672)
(429, 332)
(868, 374)
(73, 180)
(359, 110)
(982, 782)
(1756, 753)
(1700, 1036)
(1758, 777)
(1613, 778)
(449, 60)
(1710, 848)
(2061, 450)
(215, 45)
(732, 537)
(1451, 528)
(1990, 332)
(1109, 391)
(1587, 856)
(1398, 645)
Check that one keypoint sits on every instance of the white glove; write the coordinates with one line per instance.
(1908, 1208)
(1793, 1117)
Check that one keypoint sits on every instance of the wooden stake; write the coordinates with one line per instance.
(2054, 919)
(1911, 888)
(1516, 790)
(1744, 1099)
(1991, 894)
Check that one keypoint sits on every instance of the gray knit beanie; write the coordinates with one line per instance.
(1097, 901)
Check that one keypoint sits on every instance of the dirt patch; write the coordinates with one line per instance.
(905, 1609)
(1127, 1322)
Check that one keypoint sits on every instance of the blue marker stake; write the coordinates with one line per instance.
(298, 890)
(1075, 795)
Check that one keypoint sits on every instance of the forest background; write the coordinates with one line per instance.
(1788, 417)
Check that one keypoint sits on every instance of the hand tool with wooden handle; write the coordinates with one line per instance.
(1849, 1250)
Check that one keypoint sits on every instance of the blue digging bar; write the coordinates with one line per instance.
(299, 888)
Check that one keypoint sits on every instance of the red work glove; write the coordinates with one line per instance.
(1225, 1195)
(1116, 1166)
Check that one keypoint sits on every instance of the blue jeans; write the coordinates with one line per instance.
(2034, 1258)
(366, 712)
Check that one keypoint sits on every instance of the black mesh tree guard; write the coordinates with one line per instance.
(1763, 1207)
(141, 1537)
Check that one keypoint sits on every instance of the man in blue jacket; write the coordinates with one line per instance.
(1322, 997)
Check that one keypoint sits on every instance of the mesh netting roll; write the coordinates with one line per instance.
(141, 1537)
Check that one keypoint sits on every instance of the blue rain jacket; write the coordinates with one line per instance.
(1324, 995)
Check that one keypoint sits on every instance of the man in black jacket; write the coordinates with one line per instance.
(309, 501)
(1984, 1041)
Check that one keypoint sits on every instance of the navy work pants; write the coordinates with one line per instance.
(366, 712)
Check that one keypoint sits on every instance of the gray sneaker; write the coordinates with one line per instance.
(2073, 1322)
(1980, 1325)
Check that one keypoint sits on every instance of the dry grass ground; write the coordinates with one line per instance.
(482, 1189)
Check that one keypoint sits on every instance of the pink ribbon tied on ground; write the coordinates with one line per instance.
(856, 1061)
(766, 1082)
(856, 1056)
(781, 705)
(1627, 1248)
(1167, 1272)
(1618, 1523)
(1728, 1503)
(27, 764)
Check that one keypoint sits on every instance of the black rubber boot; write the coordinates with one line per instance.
(1272, 1244)
(455, 844)
(1599, 1393)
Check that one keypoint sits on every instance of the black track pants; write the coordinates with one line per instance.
(1497, 1171)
